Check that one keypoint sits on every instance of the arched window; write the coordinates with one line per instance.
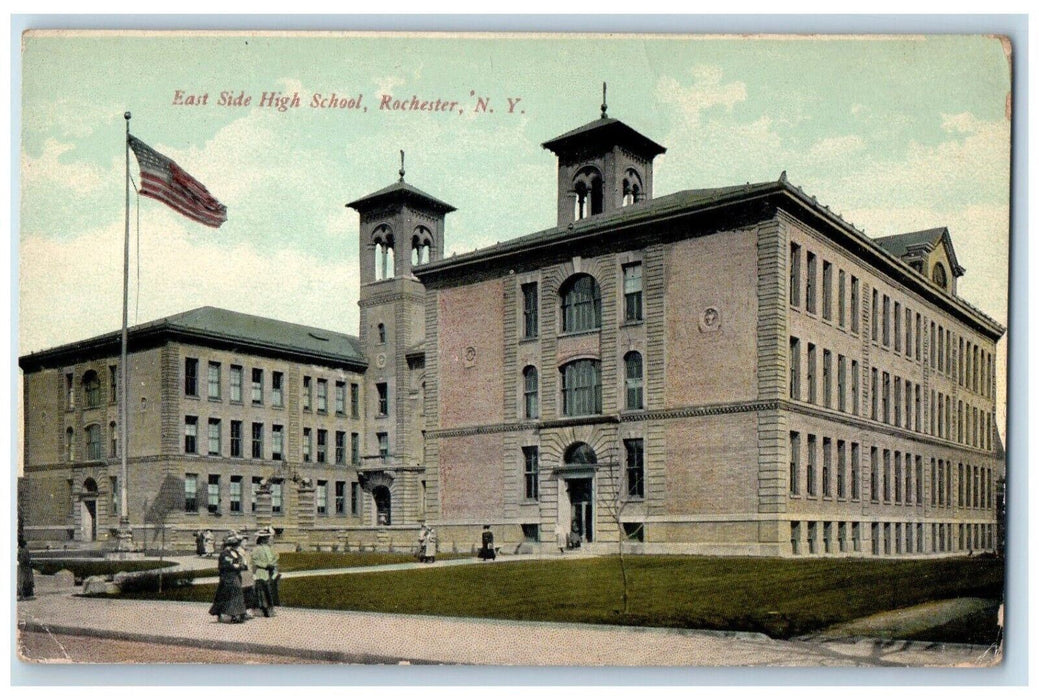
(92, 389)
(633, 382)
(382, 240)
(93, 442)
(70, 444)
(582, 388)
(632, 185)
(579, 453)
(588, 193)
(421, 246)
(530, 392)
(382, 332)
(939, 276)
(581, 304)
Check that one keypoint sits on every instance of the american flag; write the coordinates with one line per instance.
(164, 180)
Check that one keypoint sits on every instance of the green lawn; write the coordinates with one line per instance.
(308, 561)
(82, 568)
(780, 597)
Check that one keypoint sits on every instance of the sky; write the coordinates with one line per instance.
(896, 134)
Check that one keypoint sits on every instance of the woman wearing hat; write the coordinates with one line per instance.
(265, 569)
(229, 600)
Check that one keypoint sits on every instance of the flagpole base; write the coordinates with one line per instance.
(124, 539)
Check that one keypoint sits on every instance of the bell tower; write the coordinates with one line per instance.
(401, 227)
(603, 166)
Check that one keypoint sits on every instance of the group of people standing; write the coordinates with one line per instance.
(204, 543)
(247, 582)
(427, 545)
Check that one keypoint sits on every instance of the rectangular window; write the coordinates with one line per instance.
(257, 387)
(959, 485)
(113, 485)
(355, 498)
(633, 292)
(214, 436)
(257, 440)
(213, 383)
(841, 310)
(898, 401)
(355, 401)
(635, 467)
(855, 470)
(795, 274)
(190, 376)
(321, 497)
(340, 447)
(236, 438)
(810, 468)
(854, 304)
(213, 502)
(277, 389)
(886, 321)
(340, 398)
(530, 309)
(874, 475)
(909, 333)
(898, 477)
(307, 390)
(236, 494)
(855, 387)
(810, 373)
(917, 338)
(340, 498)
(113, 383)
(827, 467)
(190, 434)
(254, 489)
(355, 448)
(873, 393)
(887, 476)
(322, 446)
(842, 465)
(384, 399)
(795, 369)
(898, 327)
(941, 349)
(582, 388)
(841, 391)
(827, 379)
(795, 536)
(810, 283)
(276, 496)
(236, 384)
(795, 463)
(827, 290)
(918, 479)
(191, 493)
(885, 399)
(322, 395)
(874, 317)
(384, 445)
(530, 473)
(277, 442)
(307, 446)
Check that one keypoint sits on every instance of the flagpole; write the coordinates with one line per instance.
(125, 532)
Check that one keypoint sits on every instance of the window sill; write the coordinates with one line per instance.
(529, 339)
(633, 323)
(193, 397)
(577, 334)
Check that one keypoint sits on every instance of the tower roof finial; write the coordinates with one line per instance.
(401, 171)
(603, 108)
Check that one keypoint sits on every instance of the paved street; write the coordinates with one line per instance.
(298, 634)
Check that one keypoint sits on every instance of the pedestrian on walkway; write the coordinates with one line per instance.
(248, 579)
(265, 570)
(200, 543)
(208, 544)
(487, 544)
(561, 538)
(229, 600)
(26, 581)
(429, 547)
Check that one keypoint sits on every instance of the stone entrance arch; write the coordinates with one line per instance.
(383, 505)
(579, 464)
(88, 511)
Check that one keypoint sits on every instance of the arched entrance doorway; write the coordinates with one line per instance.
(581, 457)
(381, 495)
(88, 511)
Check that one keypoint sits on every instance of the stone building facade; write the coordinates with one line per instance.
(721, 371)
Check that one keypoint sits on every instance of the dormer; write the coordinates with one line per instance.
(603, 166)
(401, 227)
(930, 253)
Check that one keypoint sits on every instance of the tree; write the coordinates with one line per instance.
(166, 502)
(614, 499)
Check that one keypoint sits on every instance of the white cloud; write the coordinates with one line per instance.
(707, 91)
(49, 170)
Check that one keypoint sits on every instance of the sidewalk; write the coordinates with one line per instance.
(352, 637)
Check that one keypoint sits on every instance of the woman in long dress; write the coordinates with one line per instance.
(229, 600)
(265, 570)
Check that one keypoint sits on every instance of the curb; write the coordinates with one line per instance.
(321, 655)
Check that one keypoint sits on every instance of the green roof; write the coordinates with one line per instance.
(209, 325)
